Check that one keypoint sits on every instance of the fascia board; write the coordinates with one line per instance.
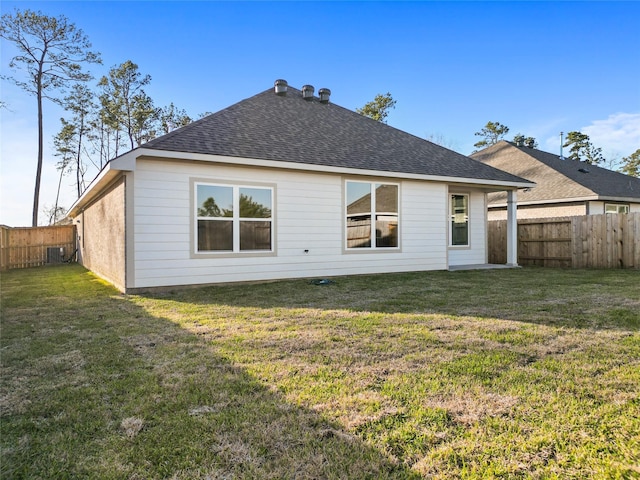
(143, 152)
(110, 171)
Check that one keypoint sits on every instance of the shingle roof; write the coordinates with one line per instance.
(556, 179)
(289, 128)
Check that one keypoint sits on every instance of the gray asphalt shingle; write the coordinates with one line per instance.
(557, 179)
(291, 129)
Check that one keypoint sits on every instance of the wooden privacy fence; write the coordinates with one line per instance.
(35, 246)
(611, 240)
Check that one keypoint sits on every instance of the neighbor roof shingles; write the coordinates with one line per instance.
(556, 179)
(288, 128)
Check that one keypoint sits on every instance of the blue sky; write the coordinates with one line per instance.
(538, 67)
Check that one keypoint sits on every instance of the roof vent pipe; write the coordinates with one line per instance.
(324, 93)
(280, 87)
(307, 92)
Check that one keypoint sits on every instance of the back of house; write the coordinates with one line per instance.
(284, 184)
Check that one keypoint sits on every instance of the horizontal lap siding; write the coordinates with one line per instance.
(309, 216)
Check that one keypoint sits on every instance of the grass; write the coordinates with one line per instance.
(526, 373)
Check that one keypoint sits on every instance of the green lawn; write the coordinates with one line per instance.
(524, 373)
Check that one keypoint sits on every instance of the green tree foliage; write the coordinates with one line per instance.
(491, 134)
(51, 54)
(80, 104)
(171, 118)
(211, 209)
(249, 208)
(631, 164)
(63, 143)
(144, 118)
(520, 140)
(378, 108)
(581, 148)
(126, 105)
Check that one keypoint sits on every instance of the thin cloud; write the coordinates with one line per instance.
(619, 133)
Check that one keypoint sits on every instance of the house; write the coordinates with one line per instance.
(285, 184)
(564, 187)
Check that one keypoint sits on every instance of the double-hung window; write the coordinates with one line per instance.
(371, 215)
(459, 226)
(233, 218)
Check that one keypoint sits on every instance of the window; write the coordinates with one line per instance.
(459, 219)
(372, 215)
(616, 208)
(233, 218)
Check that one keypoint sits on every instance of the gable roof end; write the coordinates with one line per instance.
(558, 179)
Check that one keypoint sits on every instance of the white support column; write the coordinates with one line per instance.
(512, 228)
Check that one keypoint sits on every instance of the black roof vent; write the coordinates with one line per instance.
(583, 170)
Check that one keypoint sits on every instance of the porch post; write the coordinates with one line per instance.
(512, 228)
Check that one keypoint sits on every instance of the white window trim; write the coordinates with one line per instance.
(236, 252)
(617, 207)
(373, 213)
(468, 218)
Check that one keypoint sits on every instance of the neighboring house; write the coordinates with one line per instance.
(563, 187)
(285, 184)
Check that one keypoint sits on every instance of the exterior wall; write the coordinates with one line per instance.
(101, 235)
(559, 210)
(597, 208)
(309, 215)
(476, 252)
(540, 211)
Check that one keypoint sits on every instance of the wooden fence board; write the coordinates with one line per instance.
(588, 241)
(27, 247)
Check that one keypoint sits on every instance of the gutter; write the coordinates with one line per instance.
(127, 163)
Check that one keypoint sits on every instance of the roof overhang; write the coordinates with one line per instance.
(279, 164)
(111, 171)
(127, 163)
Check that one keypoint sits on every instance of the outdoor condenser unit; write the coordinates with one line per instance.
(55, 254)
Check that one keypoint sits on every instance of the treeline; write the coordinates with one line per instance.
(102, 120)
(116, 116)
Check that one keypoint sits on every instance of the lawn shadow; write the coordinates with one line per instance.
(146, 398)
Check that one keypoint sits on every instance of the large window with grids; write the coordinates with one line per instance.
(233, 218)
(371, 215)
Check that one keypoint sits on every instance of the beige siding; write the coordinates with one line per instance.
(550, 211)
(101, 235)
(309, 215)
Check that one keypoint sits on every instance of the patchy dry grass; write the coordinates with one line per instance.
(526, 373)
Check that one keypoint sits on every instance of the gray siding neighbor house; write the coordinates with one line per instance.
(564, 187)
(285, 184)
